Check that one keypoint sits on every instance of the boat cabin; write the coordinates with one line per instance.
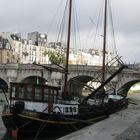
(33, 92)
(41, 98)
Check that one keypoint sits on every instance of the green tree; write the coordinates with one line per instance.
(56, 57)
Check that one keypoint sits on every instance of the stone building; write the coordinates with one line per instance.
(30, 50)
(5, 51)
(37, 39)
(15, 49)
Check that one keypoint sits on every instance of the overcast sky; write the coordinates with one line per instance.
(37, 15)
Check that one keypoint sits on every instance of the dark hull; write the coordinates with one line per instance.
(32, 122)
(114, 106)
(8, 121)
(29, 122)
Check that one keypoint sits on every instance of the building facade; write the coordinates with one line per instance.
(27, 51)
(5, 51)
(35, 48)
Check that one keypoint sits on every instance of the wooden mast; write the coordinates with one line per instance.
(65, 94)
(104, 42)
(104, 81)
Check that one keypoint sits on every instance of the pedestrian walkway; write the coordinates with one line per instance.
(123, 125)
(131, 133)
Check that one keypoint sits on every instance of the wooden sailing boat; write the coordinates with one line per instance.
(42, 108)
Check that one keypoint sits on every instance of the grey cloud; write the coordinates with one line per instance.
(30, 15)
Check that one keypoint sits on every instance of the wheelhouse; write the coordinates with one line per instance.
(41, 98)
(33, 92)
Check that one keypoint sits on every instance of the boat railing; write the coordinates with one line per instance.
(65, 102)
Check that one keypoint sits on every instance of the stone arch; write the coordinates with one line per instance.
(22, 76)
(3, 85)
(123, 90)
(76, 84)
(34, 79)
(27, 73)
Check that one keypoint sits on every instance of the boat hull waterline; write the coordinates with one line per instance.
(30, 122)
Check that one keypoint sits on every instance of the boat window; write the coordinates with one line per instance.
(38, 93)
(50, 91)
(46, 91)
(29, 92)
(70, 109)
(21, 93)
(66, 109)
(55, 94)
(13, 92)
(74, 109)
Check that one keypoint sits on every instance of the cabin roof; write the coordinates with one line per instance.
(36, 85)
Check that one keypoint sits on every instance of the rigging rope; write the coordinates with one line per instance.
(111, 17)
(98, 35)
(54, 17)
(76, 24)
(42, 126)
(61, 29)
